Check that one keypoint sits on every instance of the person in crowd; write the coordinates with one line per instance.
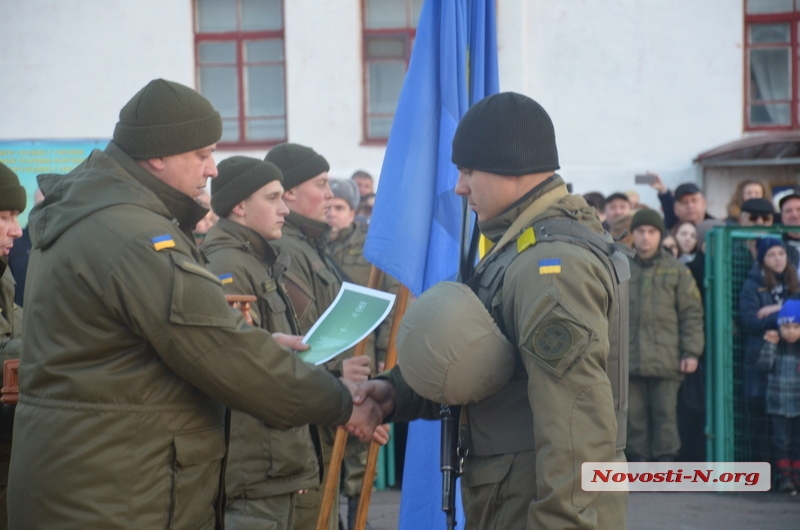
(19, 254)
(669, 244)
(125, 371)
(754, 212)
(596, 200)
(267, 468)
(617, 205)
(365, 182)
(685, 233)
(13, 201)
(634, 199)
(620, 229)
(554, 407)
(779, 357)
(687, 203)
(312, 279)
(746, 190)
(765, 290)
(204, 224)
(346, 249)
(664, 303)
(365, 205)
(790, 216)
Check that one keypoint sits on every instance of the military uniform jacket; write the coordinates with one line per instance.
(554, 306)
(666, 315)
(262, 461)
(347, 251)
(133, 351)
(10, 316)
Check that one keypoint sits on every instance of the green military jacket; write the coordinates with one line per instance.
(262, 461)
(131, 355)
(10, 316)
(554, 307)
(666, 315)
(347, 251)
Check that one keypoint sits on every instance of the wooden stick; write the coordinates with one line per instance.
(331, 492)
(372, 456)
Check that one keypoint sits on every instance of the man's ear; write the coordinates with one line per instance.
(238, 210)
(289, 196)
(153, 164)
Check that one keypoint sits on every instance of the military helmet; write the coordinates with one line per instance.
(449, 348)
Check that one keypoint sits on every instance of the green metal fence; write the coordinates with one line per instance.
(730, 419)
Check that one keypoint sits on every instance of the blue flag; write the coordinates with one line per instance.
(414, 233)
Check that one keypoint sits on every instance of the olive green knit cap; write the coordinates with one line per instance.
(297, 162)
(649, 217)
(12, 194)
(239, 177)
(166, 118)
(506, 134)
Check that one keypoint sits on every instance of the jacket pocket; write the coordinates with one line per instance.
(196, 477)
(197, 296)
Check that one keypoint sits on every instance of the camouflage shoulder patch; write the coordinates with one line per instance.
(551, 341)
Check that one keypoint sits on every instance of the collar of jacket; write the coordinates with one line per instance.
(649, 262)
(495, 228)
(345, 233)
(315, 232)
(3, 264)
(250, 240)
(184, 210)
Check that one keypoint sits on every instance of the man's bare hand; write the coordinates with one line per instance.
(381, 434)
(293, 342)
(658, 184)
(356, 369)
(688, 365)
(772, 336)
(364, 420)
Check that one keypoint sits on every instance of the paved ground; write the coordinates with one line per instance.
(663, 511)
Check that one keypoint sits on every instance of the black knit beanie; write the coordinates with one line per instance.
(346, 189)
(12, 194)
(648, 217)
(507, 134)
(166, 118)
(238, 178)
(297, 162)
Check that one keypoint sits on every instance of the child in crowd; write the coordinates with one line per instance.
(780, 359)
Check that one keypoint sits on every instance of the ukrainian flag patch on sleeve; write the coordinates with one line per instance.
(550, 266)
(226, 278)
(162, 242)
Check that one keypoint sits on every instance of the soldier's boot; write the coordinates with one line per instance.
(352, 512)
(785, 482)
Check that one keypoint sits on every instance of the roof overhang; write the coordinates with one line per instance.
(770, 149)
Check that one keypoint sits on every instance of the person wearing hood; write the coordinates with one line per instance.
(767, 287)
(132, 352)
(12, 203)
(666, 340)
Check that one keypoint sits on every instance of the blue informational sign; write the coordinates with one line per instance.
(29, 158)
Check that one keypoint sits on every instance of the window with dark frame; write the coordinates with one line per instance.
(240, 68)
(389, 28)
(772, 53)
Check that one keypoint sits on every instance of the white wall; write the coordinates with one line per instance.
(630, 85)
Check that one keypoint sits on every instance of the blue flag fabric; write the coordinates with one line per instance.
(414, 233)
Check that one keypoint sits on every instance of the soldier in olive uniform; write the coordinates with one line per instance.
(12, 203)
(555, 301)
(266, 467)
(131, 350)
(312, 279)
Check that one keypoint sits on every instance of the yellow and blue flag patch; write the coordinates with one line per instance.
(226, 278)
(162, 242)
(550, 266)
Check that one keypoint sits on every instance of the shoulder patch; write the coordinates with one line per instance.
(550, 266)
(226, 278)
(527, 239)
(162, 242)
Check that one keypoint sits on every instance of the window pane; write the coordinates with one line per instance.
(386, 47)
(215, 16)
(264, 87)
(266, 129)
(261, 15)
(416, 8)
(385, 82)
(768, 6)
(383, 14)
(219, 85)
(216, 52)
(263, 51)
(769, 33)
(775, 114)
(770, 74)
(230, 131)
(379, 127)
